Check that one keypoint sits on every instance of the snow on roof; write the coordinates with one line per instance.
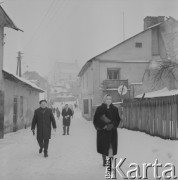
(160, 93)
(139, 83)
(13, 77)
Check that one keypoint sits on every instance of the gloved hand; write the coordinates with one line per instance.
(110, 127)
(33, 131)
(105, 119)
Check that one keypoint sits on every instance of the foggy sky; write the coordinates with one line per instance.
(69, 30)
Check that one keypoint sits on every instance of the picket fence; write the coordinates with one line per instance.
(155, 116)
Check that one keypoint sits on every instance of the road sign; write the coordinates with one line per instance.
(122, 89)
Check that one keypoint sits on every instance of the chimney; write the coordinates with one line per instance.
(152, 20)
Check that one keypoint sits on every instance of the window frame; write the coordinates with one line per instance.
(114, 70)
(138, 44)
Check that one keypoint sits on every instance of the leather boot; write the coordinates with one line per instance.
(67, 130)
(45, 154)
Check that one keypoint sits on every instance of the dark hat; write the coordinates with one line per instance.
(44, 100)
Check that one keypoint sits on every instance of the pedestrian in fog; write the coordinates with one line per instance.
(43, 118)
(66, 114)
(106, 121)
(58, 112)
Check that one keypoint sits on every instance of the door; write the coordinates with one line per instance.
(85, 106)
(1, 114)
(15, 115)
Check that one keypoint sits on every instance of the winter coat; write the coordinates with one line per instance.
(66, 120)
(43, 118)
(105, 137)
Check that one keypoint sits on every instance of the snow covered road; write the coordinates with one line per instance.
(74, 157)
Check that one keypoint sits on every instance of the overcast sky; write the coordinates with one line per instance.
(69, 30)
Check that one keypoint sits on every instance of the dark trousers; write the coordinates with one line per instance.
(66, 128)
(43, 143)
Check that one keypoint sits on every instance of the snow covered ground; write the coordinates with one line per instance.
(74, 157)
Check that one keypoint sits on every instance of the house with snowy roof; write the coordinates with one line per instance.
(124, 71)
(18, 97)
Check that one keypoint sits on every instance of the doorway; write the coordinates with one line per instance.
(15, 114)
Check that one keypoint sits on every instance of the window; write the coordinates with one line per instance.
(85, 106)
(138, 44)
(113, 73)
(21, 106)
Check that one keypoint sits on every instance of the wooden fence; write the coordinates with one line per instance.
(155, 116)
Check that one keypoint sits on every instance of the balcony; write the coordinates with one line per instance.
(113, 84)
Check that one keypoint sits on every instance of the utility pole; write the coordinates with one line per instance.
(19, 59)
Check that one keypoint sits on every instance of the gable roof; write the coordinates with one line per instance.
(6, 21)
(17, 79)
(85, 66)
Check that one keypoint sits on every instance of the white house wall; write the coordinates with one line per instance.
(132, 71)
(30, 103)
(87, 89)
(128, 51)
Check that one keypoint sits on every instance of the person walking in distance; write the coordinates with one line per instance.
(66, 114)
(106, 121)
(43, 118)
(58, 112)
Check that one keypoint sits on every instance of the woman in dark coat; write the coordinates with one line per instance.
(106, 121)
(66, 113)
(43, 118)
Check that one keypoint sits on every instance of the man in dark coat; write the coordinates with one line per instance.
(43, 118)
(106, 120)
(66, 113)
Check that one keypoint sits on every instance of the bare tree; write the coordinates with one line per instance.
(166, 69)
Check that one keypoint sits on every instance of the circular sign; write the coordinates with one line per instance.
(122, 89)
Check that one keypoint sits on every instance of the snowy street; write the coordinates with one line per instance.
(74, 157)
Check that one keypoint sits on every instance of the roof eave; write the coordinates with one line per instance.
(9, 23)
(85, 67)
(13, 78)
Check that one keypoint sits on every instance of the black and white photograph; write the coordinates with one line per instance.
(88, 89)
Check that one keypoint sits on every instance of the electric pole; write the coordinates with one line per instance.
(19, 59)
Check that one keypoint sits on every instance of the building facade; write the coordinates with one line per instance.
(21, 98)
(129, 63)
(18, 97)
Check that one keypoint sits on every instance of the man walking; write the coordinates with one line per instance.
(43, 118)
(66, 113)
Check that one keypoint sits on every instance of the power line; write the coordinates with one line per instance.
(60, 24)
(41, 22)
(48, 18)
(38, 56)
(61, 6)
